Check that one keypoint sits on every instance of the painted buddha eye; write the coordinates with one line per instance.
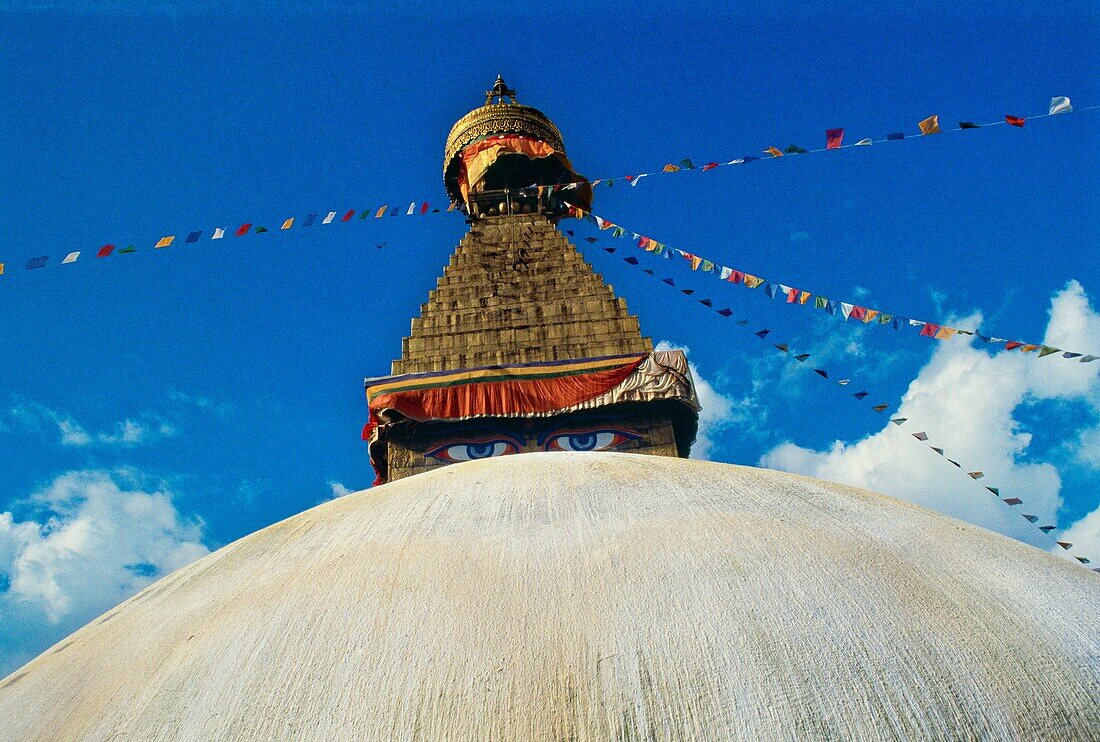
(588, 440)
(471, 450)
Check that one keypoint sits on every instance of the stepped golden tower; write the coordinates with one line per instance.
(521, 346)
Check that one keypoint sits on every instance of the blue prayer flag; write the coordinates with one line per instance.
(194, 236)
(895, 136)
(37, 262)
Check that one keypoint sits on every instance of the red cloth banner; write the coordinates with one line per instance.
(834, 138)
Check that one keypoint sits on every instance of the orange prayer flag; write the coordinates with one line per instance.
(774, 151)
(930, 125)
(166, 241)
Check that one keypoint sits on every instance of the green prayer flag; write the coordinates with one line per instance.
(1046, 350)
(260, 229)
(820, 302)
(794, 149)
(128, 248)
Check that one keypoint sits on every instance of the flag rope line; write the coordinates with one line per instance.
(901, 422)
(774, 153)
(801, 297)
(250, 228)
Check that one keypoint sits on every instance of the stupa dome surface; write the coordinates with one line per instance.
(589, 596)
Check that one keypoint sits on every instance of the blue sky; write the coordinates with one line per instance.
(159, 404)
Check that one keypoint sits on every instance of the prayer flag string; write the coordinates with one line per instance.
(804, 298)
(834, 139)
(846, 383)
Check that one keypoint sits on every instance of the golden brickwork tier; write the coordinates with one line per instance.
(516, 291)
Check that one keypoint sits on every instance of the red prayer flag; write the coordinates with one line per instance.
(1012, 345)
(735, 276)
(243, 229)
(929, 330)
(858, 312)
(792, 296)
(105, 251)
(1014, 120)
(833, 138)
(710, 166)
(348, 216)
(424, 207)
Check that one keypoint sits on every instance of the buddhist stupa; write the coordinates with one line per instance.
(542, 562)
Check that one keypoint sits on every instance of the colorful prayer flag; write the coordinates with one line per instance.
(71, 257)
(241, 230)
(930, 125)
(105, 251)
(945, 333)
(670, 168)
(1060, 104)
(166, 241)
(833, 138)
(288, 223)
(1014, 120)
(929, 330)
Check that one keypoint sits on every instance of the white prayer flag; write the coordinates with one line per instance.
(1060, 104)
(845, 309)
(218, 233)
(863, 142)
(412, 209)
(328, 219)
(635, 181)
(71, 257)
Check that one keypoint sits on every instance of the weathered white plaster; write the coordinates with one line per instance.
(589, 596)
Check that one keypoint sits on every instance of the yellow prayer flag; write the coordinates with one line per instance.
(869, 315)
(804, 297)
(381, 211)
(288, 223)
(670, 168)
(1, 269)
(930, 125)
(774, 151)
(945, 333)
(1029, 348)
(166, 241)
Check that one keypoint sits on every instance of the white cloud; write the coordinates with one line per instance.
(37, 418)
(338, 489)
(968, 401)
(99, 537)
(718, 411)
(1085, 536)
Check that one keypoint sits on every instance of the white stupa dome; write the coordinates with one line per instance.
(589, 596)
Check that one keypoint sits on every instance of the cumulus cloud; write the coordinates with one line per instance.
(92, 539)
(718, 411)
(969, 402)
